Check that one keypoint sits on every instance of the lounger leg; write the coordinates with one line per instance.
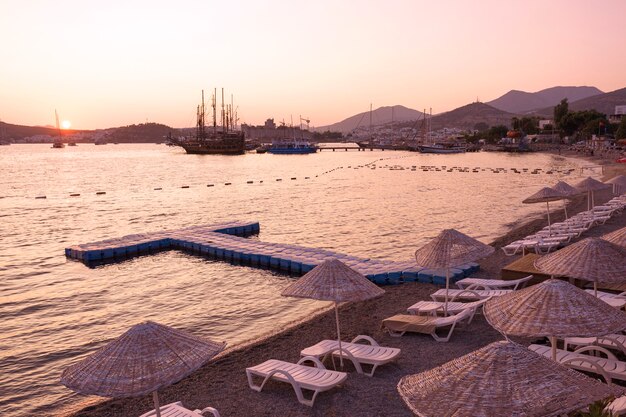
(294, 385)
(210, 410)
(443, 339)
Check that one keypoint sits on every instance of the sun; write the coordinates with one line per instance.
(66, 124)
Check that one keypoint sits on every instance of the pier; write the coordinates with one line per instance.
(227, 242)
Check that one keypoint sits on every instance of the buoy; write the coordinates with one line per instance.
(40, 196)
(227, 183)
(278, 179)
(293, 178)
(100, 192)
(158, 188)
(250, 182)
(209, 185)
(74, 195)
(185, 186)
(306, 178)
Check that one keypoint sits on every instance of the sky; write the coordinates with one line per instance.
(119, 62)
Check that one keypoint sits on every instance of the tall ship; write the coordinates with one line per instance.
(220, 140)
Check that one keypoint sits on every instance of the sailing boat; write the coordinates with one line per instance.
(440, 147)
(223, 141)
(58, 142)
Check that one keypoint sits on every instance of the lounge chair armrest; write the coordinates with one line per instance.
(316, 362)
(366, 338)
(597, 368)
(208, 410)
(464, 292)
(592, 348)
(479, 287)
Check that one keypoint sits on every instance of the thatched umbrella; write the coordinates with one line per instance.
(501, 379)
(449, 249)
(148, 357)
(552, 309)
(592, 259)
(566, 190)
(590, 185)
(617, 237)
(545, 195)
(619, 184)
(332, 280)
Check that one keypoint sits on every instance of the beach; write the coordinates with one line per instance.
(222, 383)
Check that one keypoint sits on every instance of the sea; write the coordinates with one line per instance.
(373, 204)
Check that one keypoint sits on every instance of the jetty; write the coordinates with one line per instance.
(228, 242)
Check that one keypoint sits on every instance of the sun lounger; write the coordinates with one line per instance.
(316, 379)
(177, 410)
(617, 407)
(399, 324)
(610, 368)
(359, 354)
(494, 284)
(610, 341)
(434, 308)
(466, 294)
(614, 300)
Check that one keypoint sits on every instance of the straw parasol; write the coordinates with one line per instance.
(617, 237)
(566, 190)
(591, 259)
(619, 184)
(501, 379)
(450, 248)
(590, 185)
(545, 195)
(148, 357)
(332, 280)
(553, 308)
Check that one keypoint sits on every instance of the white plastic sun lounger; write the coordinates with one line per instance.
(316, 379)
(609, 367)
(617, 407)
(494, 284)
(359, 354)
(614, 300)
(399, 324)
(177, 410)
(466, 295)
(610, 341)
(435, 308)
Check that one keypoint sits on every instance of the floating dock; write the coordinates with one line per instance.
(227, 242)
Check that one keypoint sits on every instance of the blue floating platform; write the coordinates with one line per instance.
(227, 242)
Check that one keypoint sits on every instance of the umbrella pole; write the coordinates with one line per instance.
(553, 343)
(593, 201)
(549, 227)
(595, 289)
(565, 208)
(338, 335)
(157, 406)
(445, 305)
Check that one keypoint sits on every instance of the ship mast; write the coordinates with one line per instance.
(214, 105)
(200, 134)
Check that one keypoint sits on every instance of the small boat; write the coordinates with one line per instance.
(442, 148)
(292, 148)
(58, 142)
(100, 142)
(71, 143)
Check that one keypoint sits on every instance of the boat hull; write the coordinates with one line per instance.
(438, 150)
(293, 151)
(226, 146)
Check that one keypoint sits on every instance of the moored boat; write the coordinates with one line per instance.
(442, 148)
(292, 147)
(222, 140)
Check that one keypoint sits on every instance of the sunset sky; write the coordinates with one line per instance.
(120, 62)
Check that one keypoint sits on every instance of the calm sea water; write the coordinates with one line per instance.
(371, 204)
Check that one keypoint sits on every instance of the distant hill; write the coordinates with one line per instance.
(519, 102)
(604, 103)
(467, 116)
(18, 132)
(380, 116)
(141, 133)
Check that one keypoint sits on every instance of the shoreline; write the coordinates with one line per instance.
(222, 382)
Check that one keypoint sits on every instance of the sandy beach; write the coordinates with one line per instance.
(222, 383)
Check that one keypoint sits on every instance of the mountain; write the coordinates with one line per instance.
(380, 116)
(20, 132)
(516, 101)
(466, 117)
(604, 103)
